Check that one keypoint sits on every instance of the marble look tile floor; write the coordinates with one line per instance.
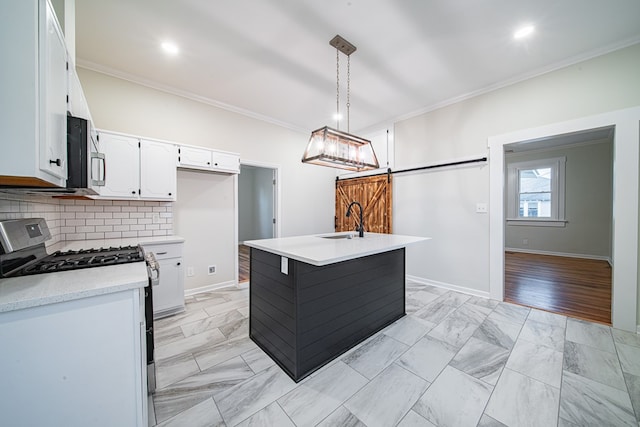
(454, 360)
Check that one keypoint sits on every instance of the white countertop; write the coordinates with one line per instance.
(317, 250)
(40, 289)
(17, 293)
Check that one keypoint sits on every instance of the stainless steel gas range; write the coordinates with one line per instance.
(23, 253)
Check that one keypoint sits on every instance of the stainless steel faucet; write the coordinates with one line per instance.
(360, 228)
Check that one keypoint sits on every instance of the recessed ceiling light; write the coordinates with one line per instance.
(170, 48)
(524, 31)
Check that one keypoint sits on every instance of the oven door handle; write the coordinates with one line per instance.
(154, 267)
(155, 280)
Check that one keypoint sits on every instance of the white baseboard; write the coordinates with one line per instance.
(449, 286)
(564, 254)
(209, 288)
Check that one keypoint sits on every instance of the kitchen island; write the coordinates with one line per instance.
(312, 298)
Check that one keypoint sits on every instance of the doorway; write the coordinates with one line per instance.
(558, 232)
(625, 205)
(257, 209)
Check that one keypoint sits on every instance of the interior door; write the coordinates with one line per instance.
(374, 194)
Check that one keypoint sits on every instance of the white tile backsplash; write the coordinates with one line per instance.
(70, 219)
(17, 206)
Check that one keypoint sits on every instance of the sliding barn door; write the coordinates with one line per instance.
(374, 194)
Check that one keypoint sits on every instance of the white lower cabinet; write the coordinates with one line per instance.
(75, 363)
(168, 294)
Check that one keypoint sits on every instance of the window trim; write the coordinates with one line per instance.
(557, 218)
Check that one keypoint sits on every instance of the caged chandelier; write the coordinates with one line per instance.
(332, 147)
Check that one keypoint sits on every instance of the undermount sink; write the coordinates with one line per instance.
(339, 236)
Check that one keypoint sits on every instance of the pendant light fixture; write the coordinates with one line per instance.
(333, 147)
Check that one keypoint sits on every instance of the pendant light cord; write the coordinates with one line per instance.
(348, 90)
(337, 89)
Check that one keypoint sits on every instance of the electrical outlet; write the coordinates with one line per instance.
(212, 269)
(525, 241)
(156, 218)
(481, 208)
(190, 272)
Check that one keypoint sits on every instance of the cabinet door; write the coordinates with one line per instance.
(122, 166)
(158, 175)
(168, 294)
(53, 96)
(191, 157)
(226, 162)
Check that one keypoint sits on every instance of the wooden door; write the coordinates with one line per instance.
(374, 194)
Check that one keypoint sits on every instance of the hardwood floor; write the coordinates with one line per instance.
(243, 263)
(571, 286)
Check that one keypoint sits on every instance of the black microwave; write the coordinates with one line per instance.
(86, 166)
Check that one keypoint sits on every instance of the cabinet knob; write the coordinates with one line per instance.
(216, 164)
(169, 193)
(133, 192)
(208, 163)
(178, 264)
(56, 162)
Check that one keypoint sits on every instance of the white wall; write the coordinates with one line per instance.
(441, 203)
(204, 212)
(307, 191)
(588, 204)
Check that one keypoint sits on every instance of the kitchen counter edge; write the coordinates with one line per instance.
(43, 289)
(319, 250)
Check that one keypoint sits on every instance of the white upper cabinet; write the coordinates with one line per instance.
(227, 162)
(158, 175)
(53, 97)
(138, 169)
(209, 160)
(122, 166)
(33, 127)
(192, 157)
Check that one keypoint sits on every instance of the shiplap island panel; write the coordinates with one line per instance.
(314, 297)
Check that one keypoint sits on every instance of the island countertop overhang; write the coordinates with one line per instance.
(319, 250)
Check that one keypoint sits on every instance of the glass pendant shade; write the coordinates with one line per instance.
(337, 149)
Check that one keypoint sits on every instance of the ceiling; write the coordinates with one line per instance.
(271, 59)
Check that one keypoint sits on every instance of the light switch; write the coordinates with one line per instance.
(481, 208)
(284, 265)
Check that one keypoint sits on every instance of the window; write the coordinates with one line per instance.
(535, 192)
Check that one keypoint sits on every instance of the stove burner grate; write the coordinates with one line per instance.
(83, 258)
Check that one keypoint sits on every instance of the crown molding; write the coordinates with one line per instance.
(92, 66)
(535, 73)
